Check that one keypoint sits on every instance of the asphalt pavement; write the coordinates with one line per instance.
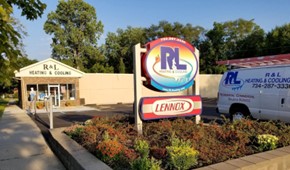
(65, 117)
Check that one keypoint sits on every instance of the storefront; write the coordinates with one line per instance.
(49, 78)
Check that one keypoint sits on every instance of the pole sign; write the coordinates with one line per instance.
(167, 107)
(170, 64)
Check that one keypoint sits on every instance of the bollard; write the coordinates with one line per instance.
(50, 113)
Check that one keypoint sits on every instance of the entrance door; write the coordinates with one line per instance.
(54, 92)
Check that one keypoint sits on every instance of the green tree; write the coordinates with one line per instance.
(119, 45)
(119, 48)
(75, 31)
(10, 37)
(164, 29)
(226, 41)
(251, 46)
(11, 34)
(278, 40)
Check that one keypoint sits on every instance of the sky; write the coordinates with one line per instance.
(115, 14)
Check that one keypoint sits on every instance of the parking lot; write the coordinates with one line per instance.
(66, 117)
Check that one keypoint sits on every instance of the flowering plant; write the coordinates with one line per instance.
(267, 142)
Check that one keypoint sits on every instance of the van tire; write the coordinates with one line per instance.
(238, 112)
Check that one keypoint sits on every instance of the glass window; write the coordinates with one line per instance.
(63, 92)
(42, 91)
(29, 87)
(72, 91)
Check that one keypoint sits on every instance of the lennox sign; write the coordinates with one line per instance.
(170, 64)
(166, 107)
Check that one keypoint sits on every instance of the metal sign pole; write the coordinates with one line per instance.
(137, 85)
(50, 113)
(196, 86)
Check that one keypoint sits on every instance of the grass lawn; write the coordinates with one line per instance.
(3, 104)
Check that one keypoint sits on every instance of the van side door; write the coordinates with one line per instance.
(284, 104)
(269, 104)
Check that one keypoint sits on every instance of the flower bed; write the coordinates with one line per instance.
(175, 144)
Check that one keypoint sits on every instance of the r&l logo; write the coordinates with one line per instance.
(171, 56)
(232, 81)
(171, 64)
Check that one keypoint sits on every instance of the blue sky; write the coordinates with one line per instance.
(116, 14)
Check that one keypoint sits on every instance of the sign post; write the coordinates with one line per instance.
(137, 85)
(196, 87)
(168, 64)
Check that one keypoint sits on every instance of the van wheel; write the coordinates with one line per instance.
(240, 113)
(237, 116)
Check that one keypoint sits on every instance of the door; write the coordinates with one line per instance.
(54, 92)
(269, 104)
(284, 114)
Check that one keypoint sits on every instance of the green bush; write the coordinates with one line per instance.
(181, 154)
(267, 142)
(143, 162)
(75, 131)
(205, 143)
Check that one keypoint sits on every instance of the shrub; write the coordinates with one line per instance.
(181, 154)
(143, 162)
(266, 142)
(75, 132)
(110, 148)
(146, 164)
(113, 140)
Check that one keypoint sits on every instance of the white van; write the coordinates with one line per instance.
(261, 93)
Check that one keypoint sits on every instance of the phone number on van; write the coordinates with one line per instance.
(278, 86)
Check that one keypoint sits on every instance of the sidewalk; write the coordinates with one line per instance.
(22, 145)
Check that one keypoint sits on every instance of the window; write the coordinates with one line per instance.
(72, 91)
(67, 91)
(29, 87)
(42, 91)
(63, 92)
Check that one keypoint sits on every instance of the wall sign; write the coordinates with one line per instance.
(167, 107)
(170, 64)
(48, 68)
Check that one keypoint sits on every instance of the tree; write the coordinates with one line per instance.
(75, 31)
(11, 33)
(164, 29)
(119, 48)
(119, 45)
(278, 40)
(226, 41)
(9, 37)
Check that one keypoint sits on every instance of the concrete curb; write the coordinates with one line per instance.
(277, 159)
(72, 155)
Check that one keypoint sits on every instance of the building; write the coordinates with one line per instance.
(69, 86)
(49, 77)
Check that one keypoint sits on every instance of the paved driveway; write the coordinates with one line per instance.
(66, 117)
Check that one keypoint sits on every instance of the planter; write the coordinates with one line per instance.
(39, 105)
(75, 156)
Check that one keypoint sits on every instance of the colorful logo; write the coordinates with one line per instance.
(170, 64)
(232, 81)
(168, 107)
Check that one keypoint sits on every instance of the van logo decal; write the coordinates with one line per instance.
(232, 81)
